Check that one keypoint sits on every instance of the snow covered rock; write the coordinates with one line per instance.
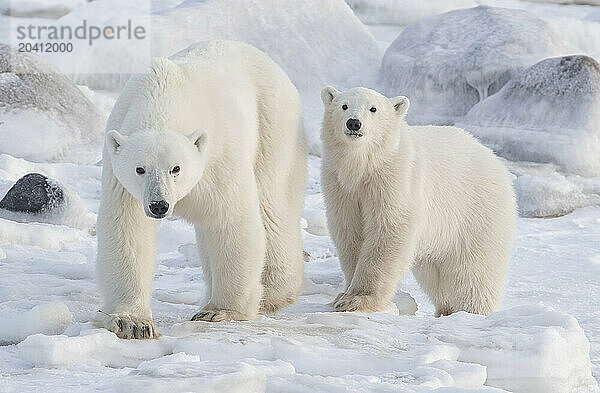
(51, 318)
(447, 63)
(43, 115)
(402, 12)
(33, 193)
(323, 36)
(549, 113)
(36, 198)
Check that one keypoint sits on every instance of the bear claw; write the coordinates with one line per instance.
(218, 316)
(128, 327)
(361, 303)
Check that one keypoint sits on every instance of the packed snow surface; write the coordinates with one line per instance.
(306, 347)
(449, 62)
(548, 113)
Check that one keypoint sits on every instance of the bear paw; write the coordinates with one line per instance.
(362, 303)
(219, 315)
(127, 326)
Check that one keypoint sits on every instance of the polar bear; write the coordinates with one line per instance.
(397, 196)
(214, 134)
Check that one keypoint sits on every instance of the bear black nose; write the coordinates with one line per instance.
(159, 208)
(353, 124)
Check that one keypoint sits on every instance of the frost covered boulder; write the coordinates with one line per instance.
(447, 63)
(43, 115)
(37, 198)
(550, 113)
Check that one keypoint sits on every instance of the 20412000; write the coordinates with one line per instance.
(46, 47)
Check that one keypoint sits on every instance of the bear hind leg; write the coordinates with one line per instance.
(473, 283)
(283, 273)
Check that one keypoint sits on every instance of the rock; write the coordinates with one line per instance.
(449, 62)
(45, 117)
(550, 113)
(33, 193)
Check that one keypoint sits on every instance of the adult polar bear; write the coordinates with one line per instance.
(432, 198)
(213, 134)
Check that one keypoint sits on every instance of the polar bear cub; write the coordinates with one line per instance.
(399, 196)
(213, 134)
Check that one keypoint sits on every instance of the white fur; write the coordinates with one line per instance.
(230, 118)
(430, 198)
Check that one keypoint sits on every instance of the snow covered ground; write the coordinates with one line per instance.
(546, 338)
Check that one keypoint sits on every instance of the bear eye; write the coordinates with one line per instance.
(373, 109)
(139, 170)
(344, 107)
(175, 169)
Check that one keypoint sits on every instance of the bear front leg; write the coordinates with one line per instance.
(235, 244)
(125, 263)
(345, 225)
(385, 256)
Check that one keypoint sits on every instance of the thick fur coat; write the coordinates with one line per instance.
(430, 198)
(213, 134)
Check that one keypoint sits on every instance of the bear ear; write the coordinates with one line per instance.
(328, 94)
(401, 105)
(115, 141)
(199, 138)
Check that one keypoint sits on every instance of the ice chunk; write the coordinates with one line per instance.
(51, 318)
(43, 115)
(402, 12)
(181, 372)
(447, 63)
(548, 113)
(93, 346)
(526, 348)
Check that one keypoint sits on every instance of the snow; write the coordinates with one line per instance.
(50, 318)
(305, 347)
(403, 12)
(551, 195)
(44, 108)
(524, 348)
(449, 62)
(546, 337)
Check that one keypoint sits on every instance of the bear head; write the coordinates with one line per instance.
(360, 116)
(157, 168)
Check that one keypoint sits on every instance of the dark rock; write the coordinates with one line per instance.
(33, 193)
